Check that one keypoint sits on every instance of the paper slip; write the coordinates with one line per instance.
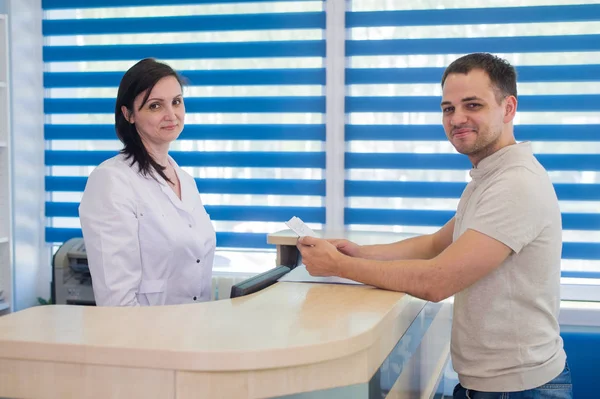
(301, 275)
(297, 226)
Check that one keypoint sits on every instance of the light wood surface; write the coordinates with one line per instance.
(54, 380)
(288, 324)
(356, 368)
(286, 339)
(286, 240)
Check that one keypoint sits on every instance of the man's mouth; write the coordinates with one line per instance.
(458, 133)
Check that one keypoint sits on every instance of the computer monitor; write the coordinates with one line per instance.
(258, 282)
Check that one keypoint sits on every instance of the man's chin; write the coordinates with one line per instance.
(464, 150)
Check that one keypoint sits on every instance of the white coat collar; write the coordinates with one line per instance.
(188, 192)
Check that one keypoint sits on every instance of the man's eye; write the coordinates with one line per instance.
(472, 105)
(447, 110)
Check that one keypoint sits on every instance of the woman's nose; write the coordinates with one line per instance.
(169, 113)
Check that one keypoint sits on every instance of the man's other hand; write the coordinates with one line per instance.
(320, 257)
(346, 247)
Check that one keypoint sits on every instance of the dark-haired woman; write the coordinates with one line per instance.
(148, 238)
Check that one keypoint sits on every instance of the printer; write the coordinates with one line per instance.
(71, 278)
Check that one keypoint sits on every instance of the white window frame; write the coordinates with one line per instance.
(29, 135)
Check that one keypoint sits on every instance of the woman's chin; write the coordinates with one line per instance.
(171, 135)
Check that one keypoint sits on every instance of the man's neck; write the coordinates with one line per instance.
(503, 141)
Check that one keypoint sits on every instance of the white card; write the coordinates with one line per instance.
(298, 227)
(299, 274)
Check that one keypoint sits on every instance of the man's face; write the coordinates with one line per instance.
(472, 118)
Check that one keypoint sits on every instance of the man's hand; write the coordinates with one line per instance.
(346, 247)
(320, 257)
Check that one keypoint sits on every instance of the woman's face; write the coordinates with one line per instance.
(160, 120)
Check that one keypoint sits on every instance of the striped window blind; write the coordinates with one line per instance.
(402, 173)
(254, 134)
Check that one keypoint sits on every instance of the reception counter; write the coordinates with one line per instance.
(288, 254)
(293, 340)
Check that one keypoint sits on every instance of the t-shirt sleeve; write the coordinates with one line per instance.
(511, 210)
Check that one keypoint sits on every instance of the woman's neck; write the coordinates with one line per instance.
(159, 153)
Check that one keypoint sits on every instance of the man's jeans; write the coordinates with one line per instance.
(558, 388)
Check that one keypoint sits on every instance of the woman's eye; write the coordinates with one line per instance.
(154, 106)
(177, 101)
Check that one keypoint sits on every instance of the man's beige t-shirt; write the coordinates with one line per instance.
(505, 332)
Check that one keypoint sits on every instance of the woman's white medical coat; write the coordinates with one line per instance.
(145, 246)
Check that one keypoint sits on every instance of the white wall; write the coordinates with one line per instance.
(32, 266)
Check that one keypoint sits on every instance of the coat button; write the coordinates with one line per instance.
(194, 298)
(190, 225)
(197, 260)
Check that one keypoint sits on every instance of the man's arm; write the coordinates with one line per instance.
(427, 246)
(507, 218)
(461, 264)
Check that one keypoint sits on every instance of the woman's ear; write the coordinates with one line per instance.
(128, 116)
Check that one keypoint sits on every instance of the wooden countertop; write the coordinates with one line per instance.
(287, 324)
(288, 237)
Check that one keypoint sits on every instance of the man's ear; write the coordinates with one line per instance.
(128, 116)
(510, 108)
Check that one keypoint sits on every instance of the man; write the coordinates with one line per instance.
(499, 255)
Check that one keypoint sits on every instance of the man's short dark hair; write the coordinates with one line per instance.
(502, 75)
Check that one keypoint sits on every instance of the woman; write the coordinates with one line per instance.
(148, 238)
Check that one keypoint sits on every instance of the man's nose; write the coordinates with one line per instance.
(458, 118)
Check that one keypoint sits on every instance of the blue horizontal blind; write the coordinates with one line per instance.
(403, 175)
(254, 104)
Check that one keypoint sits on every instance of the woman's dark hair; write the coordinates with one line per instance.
(140, 78)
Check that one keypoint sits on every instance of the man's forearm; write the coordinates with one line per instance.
(421, 247)
(414, 277)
